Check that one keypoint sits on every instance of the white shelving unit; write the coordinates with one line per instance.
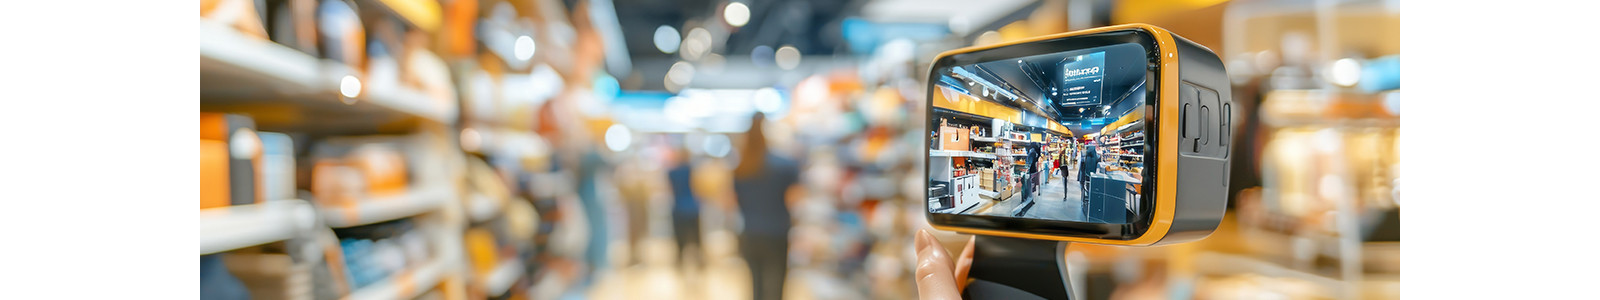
(238, 68)
(374, 210)
(405, 285)
(234, 227)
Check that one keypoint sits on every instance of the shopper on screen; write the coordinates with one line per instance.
(1090, 163)
(760, 183)
(1033, 169)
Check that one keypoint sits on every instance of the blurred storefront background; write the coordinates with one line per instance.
(603, 149)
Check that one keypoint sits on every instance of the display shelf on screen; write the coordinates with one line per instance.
(987, 193)
(239, 226)
(404, 285)
(958, 153)
(239, 72)
(379, 209)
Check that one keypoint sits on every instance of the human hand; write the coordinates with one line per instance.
(938, 277)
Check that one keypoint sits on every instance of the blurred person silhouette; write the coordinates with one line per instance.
(579, 160)
(641, 189)
(685, 205)
(761, 182)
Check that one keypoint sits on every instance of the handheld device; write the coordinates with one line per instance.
(1116, 135)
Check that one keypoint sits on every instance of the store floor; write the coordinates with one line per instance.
(1054, 202)
(659, 275)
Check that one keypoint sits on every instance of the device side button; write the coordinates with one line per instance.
(1205, 124)
(1226, 124)
(1189, 126)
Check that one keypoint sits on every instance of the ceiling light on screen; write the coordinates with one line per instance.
(737, 14)
(667, 39)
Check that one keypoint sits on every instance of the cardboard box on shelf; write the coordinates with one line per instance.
(954, 139)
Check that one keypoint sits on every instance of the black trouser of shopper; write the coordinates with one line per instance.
(768, 259)
(686, 230)
(1027, 187)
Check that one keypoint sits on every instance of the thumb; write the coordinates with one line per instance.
(935, 277)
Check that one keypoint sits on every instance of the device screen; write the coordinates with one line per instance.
(1056, 136)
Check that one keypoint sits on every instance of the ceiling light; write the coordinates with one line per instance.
(767, 100)
(788, 57)
(717, 145)
(349, 86)
(667, 39)
(695, 44)
(737, 14)
(762, 56)
(680, 74)
(524, 48)
(618, 138)
(1345, 72)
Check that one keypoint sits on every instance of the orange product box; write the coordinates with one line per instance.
(213, 174)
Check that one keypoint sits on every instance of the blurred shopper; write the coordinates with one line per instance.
(760, 183)
(638, 187)
(685, 206)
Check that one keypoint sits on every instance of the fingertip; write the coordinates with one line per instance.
(921, 240)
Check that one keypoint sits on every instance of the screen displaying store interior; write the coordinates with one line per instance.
(1057, 136)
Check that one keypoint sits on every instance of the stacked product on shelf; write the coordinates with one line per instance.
(380, 251)
(345, 172)
(230, 161)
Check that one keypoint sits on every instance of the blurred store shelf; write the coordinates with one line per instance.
(282, 85)
(234, 227)
(405, 285)
(503, 276)
(421, 13)
(379, 209)
(483, 208)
